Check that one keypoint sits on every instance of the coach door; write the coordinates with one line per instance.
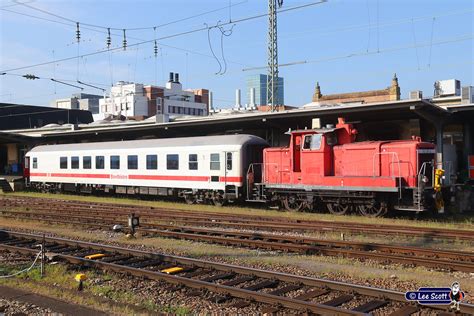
(217, 168)
(222, 167)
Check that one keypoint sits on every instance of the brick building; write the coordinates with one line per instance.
(391, 93)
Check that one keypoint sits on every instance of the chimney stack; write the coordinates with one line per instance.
(171, 77)
(237, 99)
(252, 97)
(211, 105)
(176, 78)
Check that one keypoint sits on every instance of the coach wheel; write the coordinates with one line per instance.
(190, 199)
(292, 204)
(218, 200)
(374, 209)
(338, 208)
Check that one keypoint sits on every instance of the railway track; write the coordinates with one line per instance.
(233, 221)
(231, 284)
(433, 258)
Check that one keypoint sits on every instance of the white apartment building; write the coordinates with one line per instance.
(127, 99)
(136, 100)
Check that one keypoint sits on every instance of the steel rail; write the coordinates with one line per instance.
(452, 260)
(283, 277)
(213, 219)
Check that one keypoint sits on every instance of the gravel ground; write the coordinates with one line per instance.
(16, 308)
(166, 295)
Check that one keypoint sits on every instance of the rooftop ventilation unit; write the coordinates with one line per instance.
(416, 95)
(445, 88)
(467, 95)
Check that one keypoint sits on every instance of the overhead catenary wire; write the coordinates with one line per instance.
(118, 35)
(282, 37)
(171, 36)
(431, 41)
(364, 53)
(131, 28)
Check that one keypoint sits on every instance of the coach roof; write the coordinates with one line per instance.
(221, 140)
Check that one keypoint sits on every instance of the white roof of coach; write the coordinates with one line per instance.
(221, 140)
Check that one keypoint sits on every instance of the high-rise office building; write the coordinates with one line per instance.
(259, 83)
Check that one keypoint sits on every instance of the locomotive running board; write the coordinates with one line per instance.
(408, 209)
(332, 188)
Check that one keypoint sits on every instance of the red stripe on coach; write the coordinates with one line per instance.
(81, 175)
(172, 178)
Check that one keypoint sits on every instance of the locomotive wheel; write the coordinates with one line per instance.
(189, 199)
(338, 208)
(292, 204)
(374, 209)
(218, 200)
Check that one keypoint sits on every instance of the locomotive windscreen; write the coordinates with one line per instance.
(426, 163)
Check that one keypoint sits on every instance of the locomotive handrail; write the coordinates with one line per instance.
(392, 154)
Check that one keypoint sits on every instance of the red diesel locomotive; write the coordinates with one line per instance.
(326, 168)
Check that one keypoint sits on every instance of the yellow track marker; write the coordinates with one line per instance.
(95, 256)
(172, 270)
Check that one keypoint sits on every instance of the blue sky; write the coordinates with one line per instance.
(349, 45)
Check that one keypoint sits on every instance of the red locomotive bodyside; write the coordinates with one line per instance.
(328, 160)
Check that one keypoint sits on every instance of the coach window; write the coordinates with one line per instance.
(99, 162)
(75, 162)
(86, 162)
(133, 162)
(193, 162)
(35, 163)
(229, 161)
(312, 142)
(215, 163)
(114, 162)
(172, 162)
(151, 162)
(63, 162)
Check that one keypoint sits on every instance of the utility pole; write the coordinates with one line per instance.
(272, 78)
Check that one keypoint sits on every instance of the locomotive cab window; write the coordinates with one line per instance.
(331, 139)
(63, 162)
(114, 162)
(133, 162)
(151, 162)
(75, 162)
(215, 162)
(35, 163)
(172, 162)
(86, 162)
(193, 162)
(312, 142)
(99, 162)
(229, 161)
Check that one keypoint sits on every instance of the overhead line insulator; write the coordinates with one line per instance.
(78, 32)
(124, 40)
(109, 39)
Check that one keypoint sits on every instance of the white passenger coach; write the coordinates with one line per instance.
(195, 168)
